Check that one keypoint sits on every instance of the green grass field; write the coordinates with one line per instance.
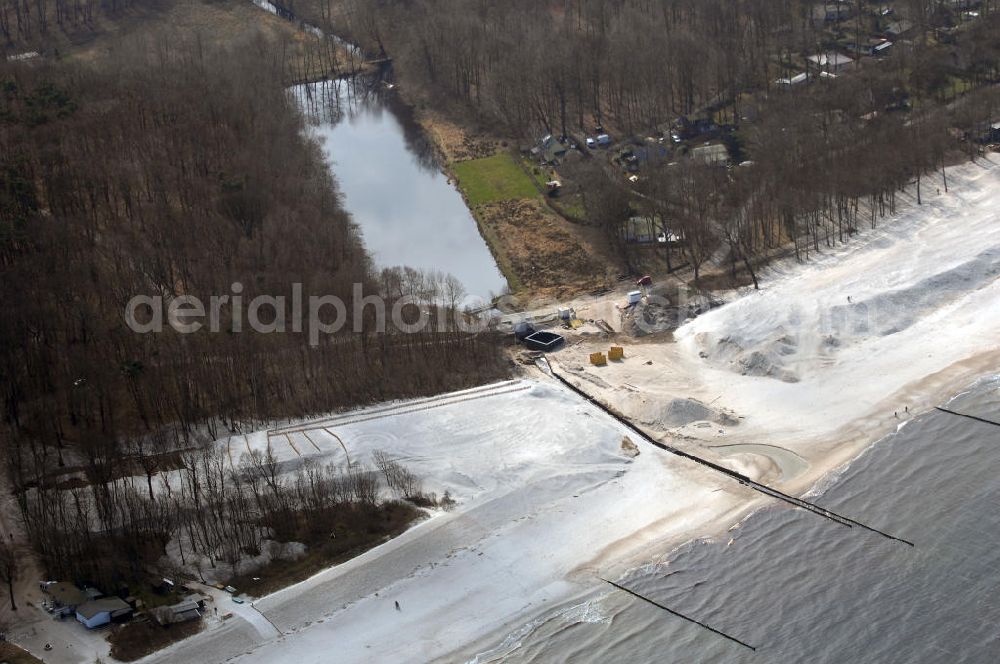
(496, 178)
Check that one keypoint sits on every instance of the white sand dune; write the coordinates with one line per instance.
(800, 362)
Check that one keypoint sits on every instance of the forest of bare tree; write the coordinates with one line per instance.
(178, 168)
(826, 157)
(563, 64)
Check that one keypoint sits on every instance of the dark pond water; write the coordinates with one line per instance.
(408, 211)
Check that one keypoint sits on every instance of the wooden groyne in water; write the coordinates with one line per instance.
(680, 615)
(966, 415)
(739, 477)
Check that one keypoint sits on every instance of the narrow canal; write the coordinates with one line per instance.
(410, 214)
(393, 186)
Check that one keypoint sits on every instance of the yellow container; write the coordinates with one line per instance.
(598, 359)
(616, 353)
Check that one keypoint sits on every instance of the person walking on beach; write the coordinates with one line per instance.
(397, 606)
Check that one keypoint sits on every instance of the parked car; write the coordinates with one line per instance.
(591, 143)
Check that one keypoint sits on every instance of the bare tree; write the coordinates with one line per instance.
(8, 569)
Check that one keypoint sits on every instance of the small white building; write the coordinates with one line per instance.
(881, 49)
(792, 81)
(99, 612)
(831, 62)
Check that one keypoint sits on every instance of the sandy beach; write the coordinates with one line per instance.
(786, 385)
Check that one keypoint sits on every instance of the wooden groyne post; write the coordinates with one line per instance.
(680, 615)
(966, 415)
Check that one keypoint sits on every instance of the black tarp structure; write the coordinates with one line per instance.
(544, 341)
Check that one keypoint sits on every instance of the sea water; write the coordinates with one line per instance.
(800, 588)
